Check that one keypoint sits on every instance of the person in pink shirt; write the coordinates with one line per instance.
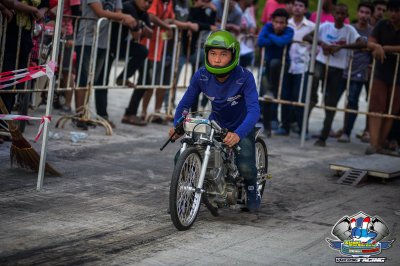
(270, 7)
(327, 9)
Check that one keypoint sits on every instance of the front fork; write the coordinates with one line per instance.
(199, 187)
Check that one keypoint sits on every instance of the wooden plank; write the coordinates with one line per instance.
(376, 165)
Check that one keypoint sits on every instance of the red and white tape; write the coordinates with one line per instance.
(42, 119)
(14, 77)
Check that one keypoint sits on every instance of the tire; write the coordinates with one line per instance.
(184, 203)
(261, 164)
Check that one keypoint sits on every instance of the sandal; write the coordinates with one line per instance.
(158, 120)
(133, 120)
(128, 83)
(365, 137)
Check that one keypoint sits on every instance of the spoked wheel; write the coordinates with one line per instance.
(184, 202)
(261, 163)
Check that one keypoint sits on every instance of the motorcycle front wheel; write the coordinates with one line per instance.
(184, 201)
(261, 164)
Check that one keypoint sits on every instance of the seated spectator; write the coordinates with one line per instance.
(274, 36)
(383, 44)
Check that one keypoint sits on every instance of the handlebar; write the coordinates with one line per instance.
(224, 132)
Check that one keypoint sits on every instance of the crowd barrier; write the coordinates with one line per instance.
(301, 103)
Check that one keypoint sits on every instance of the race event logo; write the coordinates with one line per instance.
(359, 237)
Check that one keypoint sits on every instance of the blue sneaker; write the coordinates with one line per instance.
(281, 132)
(274, 125)
(253, 198)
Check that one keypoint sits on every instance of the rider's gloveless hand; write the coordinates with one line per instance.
(171, 132)
(231, 139)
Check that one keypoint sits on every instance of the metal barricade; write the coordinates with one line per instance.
(345, 109)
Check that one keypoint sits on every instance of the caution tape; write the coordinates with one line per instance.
(42, 119)
(11, 78)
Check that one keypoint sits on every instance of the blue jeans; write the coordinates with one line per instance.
(352, 104)
(246, 60)
(272, 71)
(246, 159)
(291, 92)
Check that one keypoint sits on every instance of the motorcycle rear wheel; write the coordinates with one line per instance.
(184, 201)
(261, 164)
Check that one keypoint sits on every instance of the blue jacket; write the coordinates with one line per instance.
(234, 102)
(273, 43)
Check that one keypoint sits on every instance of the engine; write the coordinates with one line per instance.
(220, 182)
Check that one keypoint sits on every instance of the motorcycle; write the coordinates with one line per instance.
(205, 172)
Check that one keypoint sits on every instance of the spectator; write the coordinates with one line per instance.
(327, 12)
(7, 9)
(71, 8)
(234, 15)
(203, 18)
(269, 8)
(298, 70)
(110, 9)
(274, 36)
(181, 9)
(162, 15)
(248, 29)
(335, 39)
(19, 15)
(359, 71)
(137, 54)
(10, 11)
(380, 7)
(383, 41)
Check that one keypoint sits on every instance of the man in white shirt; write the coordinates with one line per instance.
(334, 39)
(296, 78)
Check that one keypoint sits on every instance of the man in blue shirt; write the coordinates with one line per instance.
(232, 92)
(274, 36)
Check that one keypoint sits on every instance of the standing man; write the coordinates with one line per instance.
(334, 39)
(274, 36)
(298, 71)
(234, 15)
(359, 71)
(384, 41)
(94, 9)
(380, 7)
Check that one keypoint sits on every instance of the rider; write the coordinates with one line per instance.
(232, 92)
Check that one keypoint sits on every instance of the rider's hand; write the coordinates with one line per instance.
(231, 139)
(171, 132)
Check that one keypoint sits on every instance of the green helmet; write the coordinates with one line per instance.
(222, 39)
